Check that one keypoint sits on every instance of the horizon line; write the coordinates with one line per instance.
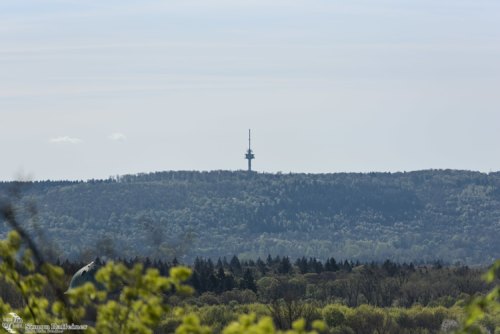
(243, 171)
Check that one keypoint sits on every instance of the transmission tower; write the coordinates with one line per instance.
(249, 156)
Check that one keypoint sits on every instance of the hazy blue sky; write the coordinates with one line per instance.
(96, 88)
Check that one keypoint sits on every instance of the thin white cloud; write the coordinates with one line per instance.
(117, 136)
(65, 140)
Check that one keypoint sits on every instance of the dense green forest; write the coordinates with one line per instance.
(349, 297)
(418, 217)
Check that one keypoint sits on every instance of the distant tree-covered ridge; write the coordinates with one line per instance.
(417, 216)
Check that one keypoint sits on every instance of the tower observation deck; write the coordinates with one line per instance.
(249, 156)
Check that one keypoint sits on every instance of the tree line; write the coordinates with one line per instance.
(381, 284)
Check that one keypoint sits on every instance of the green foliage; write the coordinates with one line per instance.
(334, 315)
(481, 308)
(133, 300)
(248, 324)
(140, 304)
(366, 320)
(29, 286)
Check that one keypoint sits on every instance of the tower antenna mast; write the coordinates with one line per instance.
(249, 156)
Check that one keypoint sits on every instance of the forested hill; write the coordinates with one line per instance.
(418, 216)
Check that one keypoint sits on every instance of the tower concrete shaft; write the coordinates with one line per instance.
(249, 156)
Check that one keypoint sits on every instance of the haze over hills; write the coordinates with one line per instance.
(429, 215)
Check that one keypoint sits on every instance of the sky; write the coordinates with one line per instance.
(92, 89)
